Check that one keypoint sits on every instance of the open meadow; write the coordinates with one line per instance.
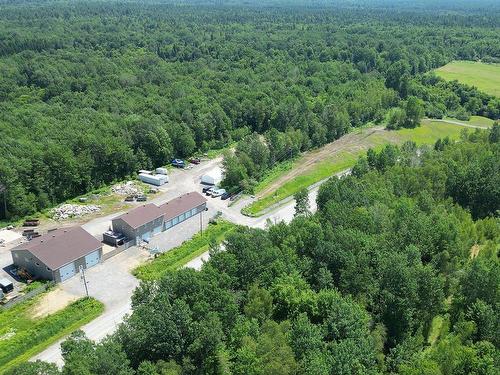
(486, 77)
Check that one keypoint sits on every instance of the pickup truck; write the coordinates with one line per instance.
(217, 192)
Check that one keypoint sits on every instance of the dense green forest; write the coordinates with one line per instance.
(90, 92)
(396, 273)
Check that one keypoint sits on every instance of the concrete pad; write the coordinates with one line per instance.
(9, 236)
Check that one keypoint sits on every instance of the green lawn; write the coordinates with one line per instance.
(179, 256)
(486, 77)
(21, 337)
(427, 133)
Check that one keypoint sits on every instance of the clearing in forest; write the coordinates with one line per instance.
(314, 166)
(486, 77)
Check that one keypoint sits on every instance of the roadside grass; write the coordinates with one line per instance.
(486, 77)
(22, 337)
(275, 172)
(427, 133)
(322, 170)
(179, 256)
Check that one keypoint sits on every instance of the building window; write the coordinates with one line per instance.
(26, 260)
(15, 255)
(188, 214)
(175, 220)
(193, 211)
(182, 217)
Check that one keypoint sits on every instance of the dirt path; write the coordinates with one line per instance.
(460, 123)
(349, 143)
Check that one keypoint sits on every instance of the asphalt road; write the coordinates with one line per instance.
(111, 282)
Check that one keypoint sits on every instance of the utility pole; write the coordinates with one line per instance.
(84, 280)
(201, 223)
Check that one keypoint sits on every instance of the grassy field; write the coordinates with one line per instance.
(179, 256)
(476, 121)
(486, 77)
(338, 156)
(21, 336)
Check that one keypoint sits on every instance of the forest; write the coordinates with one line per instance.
(396, 273)
(91, 92)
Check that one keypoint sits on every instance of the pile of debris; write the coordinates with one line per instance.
(66, 211)
(128, 188)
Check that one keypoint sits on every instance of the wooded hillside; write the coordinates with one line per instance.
(90, 92)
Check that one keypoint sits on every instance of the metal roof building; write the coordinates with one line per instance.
(142, 223)
(59, 254)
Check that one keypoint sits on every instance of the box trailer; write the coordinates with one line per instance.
(157, 179)
(162, 171)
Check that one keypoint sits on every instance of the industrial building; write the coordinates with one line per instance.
(182, 208)
(142, 223)
(59, 254)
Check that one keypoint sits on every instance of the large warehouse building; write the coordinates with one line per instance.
(142, 223)
(58, 255)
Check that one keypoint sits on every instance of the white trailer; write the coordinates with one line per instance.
(214, 177)
(163, 171)
(156, 179)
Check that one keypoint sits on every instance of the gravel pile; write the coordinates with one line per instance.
(66, 211)
(128, 188)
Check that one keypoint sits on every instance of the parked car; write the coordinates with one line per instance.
(141, 198)
(209, 190)
(195, 160)
(129, 198)
(178, 163)
(225, 196)
(218, 192)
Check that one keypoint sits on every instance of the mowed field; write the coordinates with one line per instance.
(486, 77)
(337, 156)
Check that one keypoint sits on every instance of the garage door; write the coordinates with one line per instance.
(67, 271)
(92, 259)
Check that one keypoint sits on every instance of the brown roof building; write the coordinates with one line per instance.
(181, 204)
(141, 215)
(58, 254)
(142, 223)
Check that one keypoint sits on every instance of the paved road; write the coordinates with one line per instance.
(111, 281)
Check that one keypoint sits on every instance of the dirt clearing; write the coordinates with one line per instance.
(52, 302)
